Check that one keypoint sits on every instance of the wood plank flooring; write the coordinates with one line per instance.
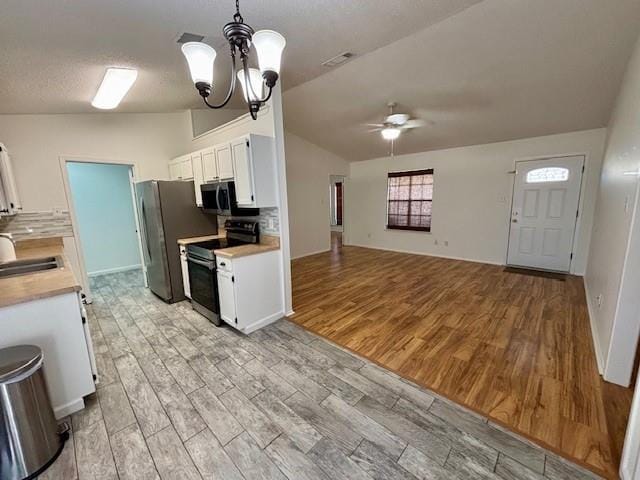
(516, 348)
(182, 399)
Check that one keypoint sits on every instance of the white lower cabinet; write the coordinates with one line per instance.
(250, 290)
(185, 271)
(56, 325)
(227, 296)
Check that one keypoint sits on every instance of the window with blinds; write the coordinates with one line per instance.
(410, 195)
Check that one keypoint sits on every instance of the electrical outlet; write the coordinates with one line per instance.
(57, 211)
(599, 299)
(435, 242)
(368, 235)
(271, 223)
(446, 243)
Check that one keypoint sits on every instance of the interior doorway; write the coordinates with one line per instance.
(105, 223)
(336, 210)
(546, 195)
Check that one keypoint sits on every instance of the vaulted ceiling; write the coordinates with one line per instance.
(478, 71)
(499, 70)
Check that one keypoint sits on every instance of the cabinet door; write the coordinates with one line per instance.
(227, 297)
(196, 165)
(243, 174)
(225, 164)
(185, 273)
(209, 166)
(175, 171)
(187, 169)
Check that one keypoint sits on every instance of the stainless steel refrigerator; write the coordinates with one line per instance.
(168, 212)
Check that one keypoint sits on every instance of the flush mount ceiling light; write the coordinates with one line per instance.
(269, 46)
(115, 85)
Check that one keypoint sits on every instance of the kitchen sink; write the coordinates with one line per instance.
(33, 265)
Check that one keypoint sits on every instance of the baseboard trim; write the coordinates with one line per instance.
(310, 253)
(449, 257)
(69, 408)
(262, 323)
(594, 337)
(114, 270)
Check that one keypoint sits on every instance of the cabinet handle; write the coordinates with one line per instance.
(222, 264)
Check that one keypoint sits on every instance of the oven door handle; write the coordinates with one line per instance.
(209, 265)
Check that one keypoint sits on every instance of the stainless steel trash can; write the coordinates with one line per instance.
(30, 439)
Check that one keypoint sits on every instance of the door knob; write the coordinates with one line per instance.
(515, 220)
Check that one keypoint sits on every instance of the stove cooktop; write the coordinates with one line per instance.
(205, 249)
(219, 243)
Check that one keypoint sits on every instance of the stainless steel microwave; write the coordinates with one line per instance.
(220, 198)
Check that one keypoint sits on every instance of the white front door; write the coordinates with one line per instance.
(544, 212)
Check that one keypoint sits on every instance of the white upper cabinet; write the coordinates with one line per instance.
(9, 199)
(180, 168)
(224, 161)
(249, 161)
(254, 171)
(197, 160)
(187, 169)
(209, 166)
(175, 171)
(243, 174)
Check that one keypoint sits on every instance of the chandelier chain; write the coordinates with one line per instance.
(237, 16)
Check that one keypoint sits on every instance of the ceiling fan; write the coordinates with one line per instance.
(395, 123)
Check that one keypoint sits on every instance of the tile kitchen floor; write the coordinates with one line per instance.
(182, 399)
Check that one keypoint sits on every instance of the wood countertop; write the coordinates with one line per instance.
(268, 243)
(38, 285)
(188, 241)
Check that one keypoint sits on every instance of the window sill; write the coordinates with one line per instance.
(408, 229)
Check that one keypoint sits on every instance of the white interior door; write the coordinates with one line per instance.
(544, 211)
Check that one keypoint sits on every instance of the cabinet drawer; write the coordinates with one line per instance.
(223, 264)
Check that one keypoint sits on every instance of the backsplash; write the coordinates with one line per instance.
(267, 216)
(43, 224)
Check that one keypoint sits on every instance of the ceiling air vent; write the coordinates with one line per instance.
(190, 37)
(338, 59)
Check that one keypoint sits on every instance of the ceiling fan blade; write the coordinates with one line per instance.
(377, 129)
(378, 125)
(414, 123)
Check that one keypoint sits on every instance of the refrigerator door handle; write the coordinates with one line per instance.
(144, 228)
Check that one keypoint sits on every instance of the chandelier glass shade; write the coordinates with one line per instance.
(269, 46)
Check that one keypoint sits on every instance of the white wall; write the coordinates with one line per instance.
(308, 171)
(613, 267)
(472, 197)
(203, 121)
(36, 142)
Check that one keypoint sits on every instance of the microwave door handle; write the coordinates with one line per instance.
(218, 198)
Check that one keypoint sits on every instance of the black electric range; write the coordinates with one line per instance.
(201, 260)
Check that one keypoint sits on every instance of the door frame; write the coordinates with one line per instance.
(578, 223)
(64, 160)
(332, 176)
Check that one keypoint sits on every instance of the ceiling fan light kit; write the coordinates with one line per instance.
(269, 46)
(390, 133)
(396, 123)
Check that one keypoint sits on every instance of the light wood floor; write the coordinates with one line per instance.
(516, 348)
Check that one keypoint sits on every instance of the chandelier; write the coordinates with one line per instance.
(269, 46)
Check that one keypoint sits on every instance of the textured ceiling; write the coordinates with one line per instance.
(54, 52)
(499, 70)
